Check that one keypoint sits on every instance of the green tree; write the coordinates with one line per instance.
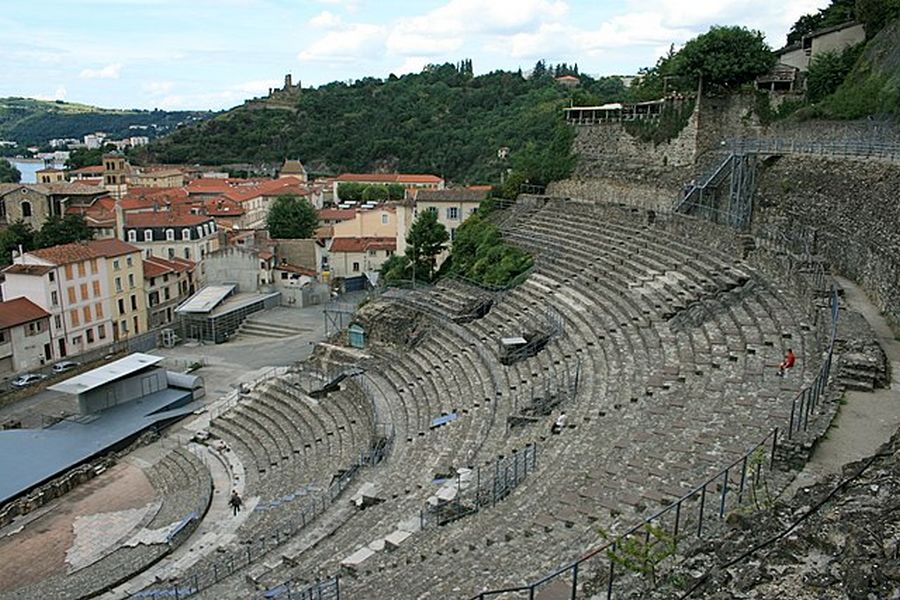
(875, 14)
(426, 239)
(62, 230)
(375, 193)
(396, 268)
(16, 235)
(724, 56)
(828, 70)
(836, 13)
(291, 217)
(8, 173)
(82, 157)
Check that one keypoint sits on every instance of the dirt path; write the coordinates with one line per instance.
(39, 549)
(867, 420)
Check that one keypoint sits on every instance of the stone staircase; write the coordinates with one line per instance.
(257, 328)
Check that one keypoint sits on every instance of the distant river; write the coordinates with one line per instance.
(29, 167)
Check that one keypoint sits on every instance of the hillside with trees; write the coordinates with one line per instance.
(444, 120)
(29, 121)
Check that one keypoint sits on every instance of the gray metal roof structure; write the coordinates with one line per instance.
(31, 456)
(206, 299)
(106, 374)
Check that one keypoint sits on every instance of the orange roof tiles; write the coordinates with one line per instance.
(19, 311)
(78, 251)
(363, 244)
(154, 266)
(337, 214)
(163, 219)
(389, 178)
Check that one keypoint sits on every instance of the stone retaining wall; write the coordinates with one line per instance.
(848, 210)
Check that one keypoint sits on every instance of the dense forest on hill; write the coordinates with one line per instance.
(443, 120)
(29, 121)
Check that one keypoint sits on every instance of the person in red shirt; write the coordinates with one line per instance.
(787, 363)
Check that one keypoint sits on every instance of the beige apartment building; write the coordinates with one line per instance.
(76, 284)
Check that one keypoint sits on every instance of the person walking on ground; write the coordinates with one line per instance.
(235, 502)
(559, 424)
(787, 363)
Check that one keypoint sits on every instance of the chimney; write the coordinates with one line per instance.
(120, 220)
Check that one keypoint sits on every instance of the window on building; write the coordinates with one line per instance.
(35, 327)
(68, 270)
(129, 262)
(123, 326)
(385, 218)
(356, 267)
(98, 310)
(81, 270)
(153, 298)
(171, 253)
(76, 341)
(133, 302)
(170, 235)
(90, 336)
(148, 252)
(86, 313)
(137, 329)
(132, 235)
(452, 213)
(131, 280)
(57, 321)
(373, 252)
(185, 234)
(118, 284)
(93, 266)
(148, 235)
(73, 315)
(472, 210)
(452, 233)
(54, 298)
(116, 265)
(199, 231)
(26, 208)
(84, 291)
(166, 293)
(96, 289)
(51, 276)
(3, 337)
(432, 209)
(101, 331)
(121, 306)
(187, 253)
(70, 292)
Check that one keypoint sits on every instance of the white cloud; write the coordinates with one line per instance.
(257, 86)
(157, 87)
(354, 42)
(59, 93)
(110, 71)
(326, 20)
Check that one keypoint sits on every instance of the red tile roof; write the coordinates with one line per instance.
(271, 187)
(220, 206)
(19, 311)
(155, 266)
(20, 269)
(389, 178)
(295, 269)
(148, 198)
(79, 251)
(337, 214)
(90, 169)
(363, 244)
(165, 218)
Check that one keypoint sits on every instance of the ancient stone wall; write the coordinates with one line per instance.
(846, 210)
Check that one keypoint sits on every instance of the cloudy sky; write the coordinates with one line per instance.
(212, 54)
